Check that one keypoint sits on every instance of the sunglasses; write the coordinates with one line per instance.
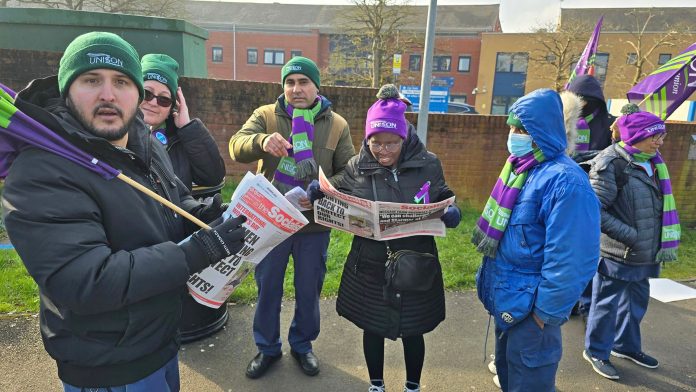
(162, 100)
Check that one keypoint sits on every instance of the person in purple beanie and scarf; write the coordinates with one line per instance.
(640, 229)
(539, 235)
(392, 165)
(291, 139)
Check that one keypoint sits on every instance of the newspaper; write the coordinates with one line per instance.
(377, 220)
(271, 219)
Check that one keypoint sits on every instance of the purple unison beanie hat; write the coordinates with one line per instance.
(635, 127)
(386, 115)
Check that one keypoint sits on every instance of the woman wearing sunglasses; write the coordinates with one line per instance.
(196, 161)
(192, 150)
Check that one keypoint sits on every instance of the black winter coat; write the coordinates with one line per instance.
(104, 255)
(590, 90)
(631, 218)
(360, 297)
(194, 154)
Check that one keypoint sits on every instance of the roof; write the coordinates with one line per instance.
(619, 19)
(214, 15)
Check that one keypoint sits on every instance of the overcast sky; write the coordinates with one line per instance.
(519, 15)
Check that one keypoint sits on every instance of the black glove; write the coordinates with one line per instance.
(451, 217)
(212, 208)
(207, 247)
(314, 191)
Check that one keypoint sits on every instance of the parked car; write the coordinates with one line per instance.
(460, 108)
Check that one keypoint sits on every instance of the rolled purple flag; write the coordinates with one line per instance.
(586, 62)
(19, 131)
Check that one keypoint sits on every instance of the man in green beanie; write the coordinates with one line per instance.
(111, 263)
(291, 138)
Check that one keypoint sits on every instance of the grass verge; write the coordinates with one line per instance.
(19, 294)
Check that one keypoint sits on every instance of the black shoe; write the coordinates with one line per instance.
(603, 367)
(308, 362)
(260, 364)
(640, 358)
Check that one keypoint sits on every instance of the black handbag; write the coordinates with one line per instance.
(408, 270)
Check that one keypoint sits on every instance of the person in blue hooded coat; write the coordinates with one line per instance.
(539, 233)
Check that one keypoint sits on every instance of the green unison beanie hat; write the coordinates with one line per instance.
(97, 50)
(161, 68)
(301, 65)
(515, 121)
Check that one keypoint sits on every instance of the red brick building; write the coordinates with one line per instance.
(251, 41)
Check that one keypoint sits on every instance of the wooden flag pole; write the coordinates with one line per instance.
(162, 200)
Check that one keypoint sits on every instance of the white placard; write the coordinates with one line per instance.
(667, 290)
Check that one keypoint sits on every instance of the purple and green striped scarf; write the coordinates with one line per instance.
(582, 141)
(671, 230)
(299, 166)
(496, 214)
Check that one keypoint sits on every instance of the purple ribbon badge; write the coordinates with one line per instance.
(423, 196)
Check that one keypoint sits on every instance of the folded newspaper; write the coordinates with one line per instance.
(271, 218)
(377, 220)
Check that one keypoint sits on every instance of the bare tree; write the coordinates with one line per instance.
(161, 8)
(557, 49)
(375, 27)
(642, 47)
(76, 5)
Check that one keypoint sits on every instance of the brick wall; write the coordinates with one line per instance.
(18, 67)
(472, 148)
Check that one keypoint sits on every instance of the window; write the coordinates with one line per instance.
(464, 64)
(511, 62)
(252, 56)
(458, 98)
(442, 63)
(273, 57)
(295, 53)
(664, 58)
(632, 58)
(501, 104)
(217, 54)
(503, 63)
(414, 62)
(519, 62)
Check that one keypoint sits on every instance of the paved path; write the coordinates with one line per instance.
(454, 353)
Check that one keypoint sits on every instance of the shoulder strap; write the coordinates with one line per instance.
(374, 194)
(620, 175)
(338, 124)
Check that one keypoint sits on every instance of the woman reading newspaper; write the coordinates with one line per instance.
(394, 166)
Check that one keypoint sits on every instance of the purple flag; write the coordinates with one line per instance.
(586, 64)
(19, 131)
(661, 92)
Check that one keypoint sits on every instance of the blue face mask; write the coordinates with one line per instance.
(519, 144)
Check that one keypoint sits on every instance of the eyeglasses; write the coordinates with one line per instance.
(389, 147)
(162, 100)
(659, 137)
